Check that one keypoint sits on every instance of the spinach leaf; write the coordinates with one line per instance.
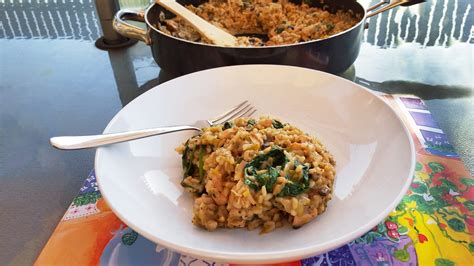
(187, 161)
(276, 160)
(329, 26)
(294, 188)
(227, 125)
(269, 178)
(277, 124)
(251, 184)
(279, 30)
(251, 122)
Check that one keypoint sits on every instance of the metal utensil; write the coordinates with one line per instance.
(82, 142)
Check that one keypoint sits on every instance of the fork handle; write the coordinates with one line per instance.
(82, 142)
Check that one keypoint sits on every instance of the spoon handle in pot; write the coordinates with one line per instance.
(213, 33)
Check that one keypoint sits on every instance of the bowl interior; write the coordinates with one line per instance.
(373, 151)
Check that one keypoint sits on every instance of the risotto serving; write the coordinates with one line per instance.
(256, 174)
(282, 21)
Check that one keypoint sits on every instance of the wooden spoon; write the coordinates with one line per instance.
(213, 33)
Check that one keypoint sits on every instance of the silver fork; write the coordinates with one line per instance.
(82, 142)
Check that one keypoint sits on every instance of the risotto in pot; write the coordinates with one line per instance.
(256, 174)
(282, 21)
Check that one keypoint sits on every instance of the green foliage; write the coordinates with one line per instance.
(469, 205)
(467, 181)
(401, 255)
(279, 29)
(456, 224)
(418, 166)
(293, 188)
(329, 26)
(402, 230)
(187, 161)
(419, 187)
(381, 228)
(368, 238)
(422, 205)
(129, 238)
(444, 147)
(471, 247)
(437, 192)
(401, 206)
(438, 203)
(277, 124)
(276, 160)
(443, 262)
(227, 125)
(449, 184)
(251, 122)
(87, 198)
(436, 167)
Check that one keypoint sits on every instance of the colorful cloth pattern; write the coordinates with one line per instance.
(432, 225)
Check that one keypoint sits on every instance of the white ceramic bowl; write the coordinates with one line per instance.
(373, 149)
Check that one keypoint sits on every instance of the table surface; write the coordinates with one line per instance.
(53, 81)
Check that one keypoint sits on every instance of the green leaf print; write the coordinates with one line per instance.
(443, 262)
(381, 228)
(436, 167)
(418, 166)
(402, 230)
(377, 235)
(401, 206)
(449, 184)
(467, 181)
(469, 204)
(419, 187)
(421, 204)
(87, 198)
(369, 238)
(129, 238)
(401, 255)
(437, 192)
(456, 224)
(471, 246)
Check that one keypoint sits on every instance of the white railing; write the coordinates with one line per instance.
(434, 23)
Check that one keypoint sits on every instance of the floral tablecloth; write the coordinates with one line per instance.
(432, 225)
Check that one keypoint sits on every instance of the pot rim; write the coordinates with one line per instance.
(361, 21)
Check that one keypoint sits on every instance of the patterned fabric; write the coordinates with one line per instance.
(432, 225)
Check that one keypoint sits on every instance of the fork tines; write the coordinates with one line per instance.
(241, 110)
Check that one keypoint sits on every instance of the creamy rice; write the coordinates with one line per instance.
(256, 174)
(282, 21)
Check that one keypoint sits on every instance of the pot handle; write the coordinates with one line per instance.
(128, 30)
(387, 4)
